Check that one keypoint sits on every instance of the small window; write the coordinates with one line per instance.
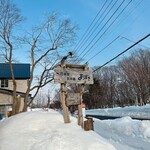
(4, 83)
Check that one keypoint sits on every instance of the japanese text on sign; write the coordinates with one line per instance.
(63, 75)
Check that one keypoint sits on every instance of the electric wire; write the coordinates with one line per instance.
(85, 33)
(122, 37)
(103, 48)
(109, 26)
(131, 10)
(101, 30)
(106, 30)
(124, 19)
(92, 31)
(122, 52)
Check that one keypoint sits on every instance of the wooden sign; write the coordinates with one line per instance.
(73, 99)
(78, 74)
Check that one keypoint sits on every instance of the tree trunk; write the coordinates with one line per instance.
(26, 100)
(14, 82)
(14, 98)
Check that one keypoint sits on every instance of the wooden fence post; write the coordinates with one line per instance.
(65, 108)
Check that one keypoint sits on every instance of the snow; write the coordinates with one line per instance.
(45, 130)
(132, 111)
(124, 133)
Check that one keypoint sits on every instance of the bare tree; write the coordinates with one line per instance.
(10, 17)
(48, 99)
(136, 70)
(40, 100)
(122, 84)
(56, 101)
(46, 40)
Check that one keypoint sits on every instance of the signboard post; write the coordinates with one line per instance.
(65, 108)
(73, 74)
(80, 114)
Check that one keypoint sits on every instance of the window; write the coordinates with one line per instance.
(4, 83)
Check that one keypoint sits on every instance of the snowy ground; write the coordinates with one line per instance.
(45, 130)
(124, 133)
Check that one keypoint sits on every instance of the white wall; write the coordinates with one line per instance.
(8, 99)
(5, 99)
(21, 85)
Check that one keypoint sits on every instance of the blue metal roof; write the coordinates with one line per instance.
(21, 71)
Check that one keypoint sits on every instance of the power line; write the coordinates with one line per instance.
(131, 10)
(103, 48)
(85, 33)
(122, 52)
(92, 31)
(123, 19)
(133, 42)
(104, 24)
(109, 26)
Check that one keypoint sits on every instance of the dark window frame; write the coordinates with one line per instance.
(4, 83)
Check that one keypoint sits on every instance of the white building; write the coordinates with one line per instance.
(22, 75)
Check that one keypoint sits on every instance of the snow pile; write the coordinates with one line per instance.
(146, 132)
(132, 111)
(125, 133)
(127, 126)
(45, 130)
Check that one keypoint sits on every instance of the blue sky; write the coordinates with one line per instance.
(134, 23)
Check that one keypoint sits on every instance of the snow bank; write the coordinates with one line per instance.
(132, 111)
(43, 130)
(129, 127)
(125, 133)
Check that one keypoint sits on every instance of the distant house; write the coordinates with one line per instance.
(22, 75)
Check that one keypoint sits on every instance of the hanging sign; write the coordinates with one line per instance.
(73, 99)
(78, 74)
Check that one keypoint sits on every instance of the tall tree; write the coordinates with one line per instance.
(122, 84)
(46, 41)
(10, 17)
(136, 69)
